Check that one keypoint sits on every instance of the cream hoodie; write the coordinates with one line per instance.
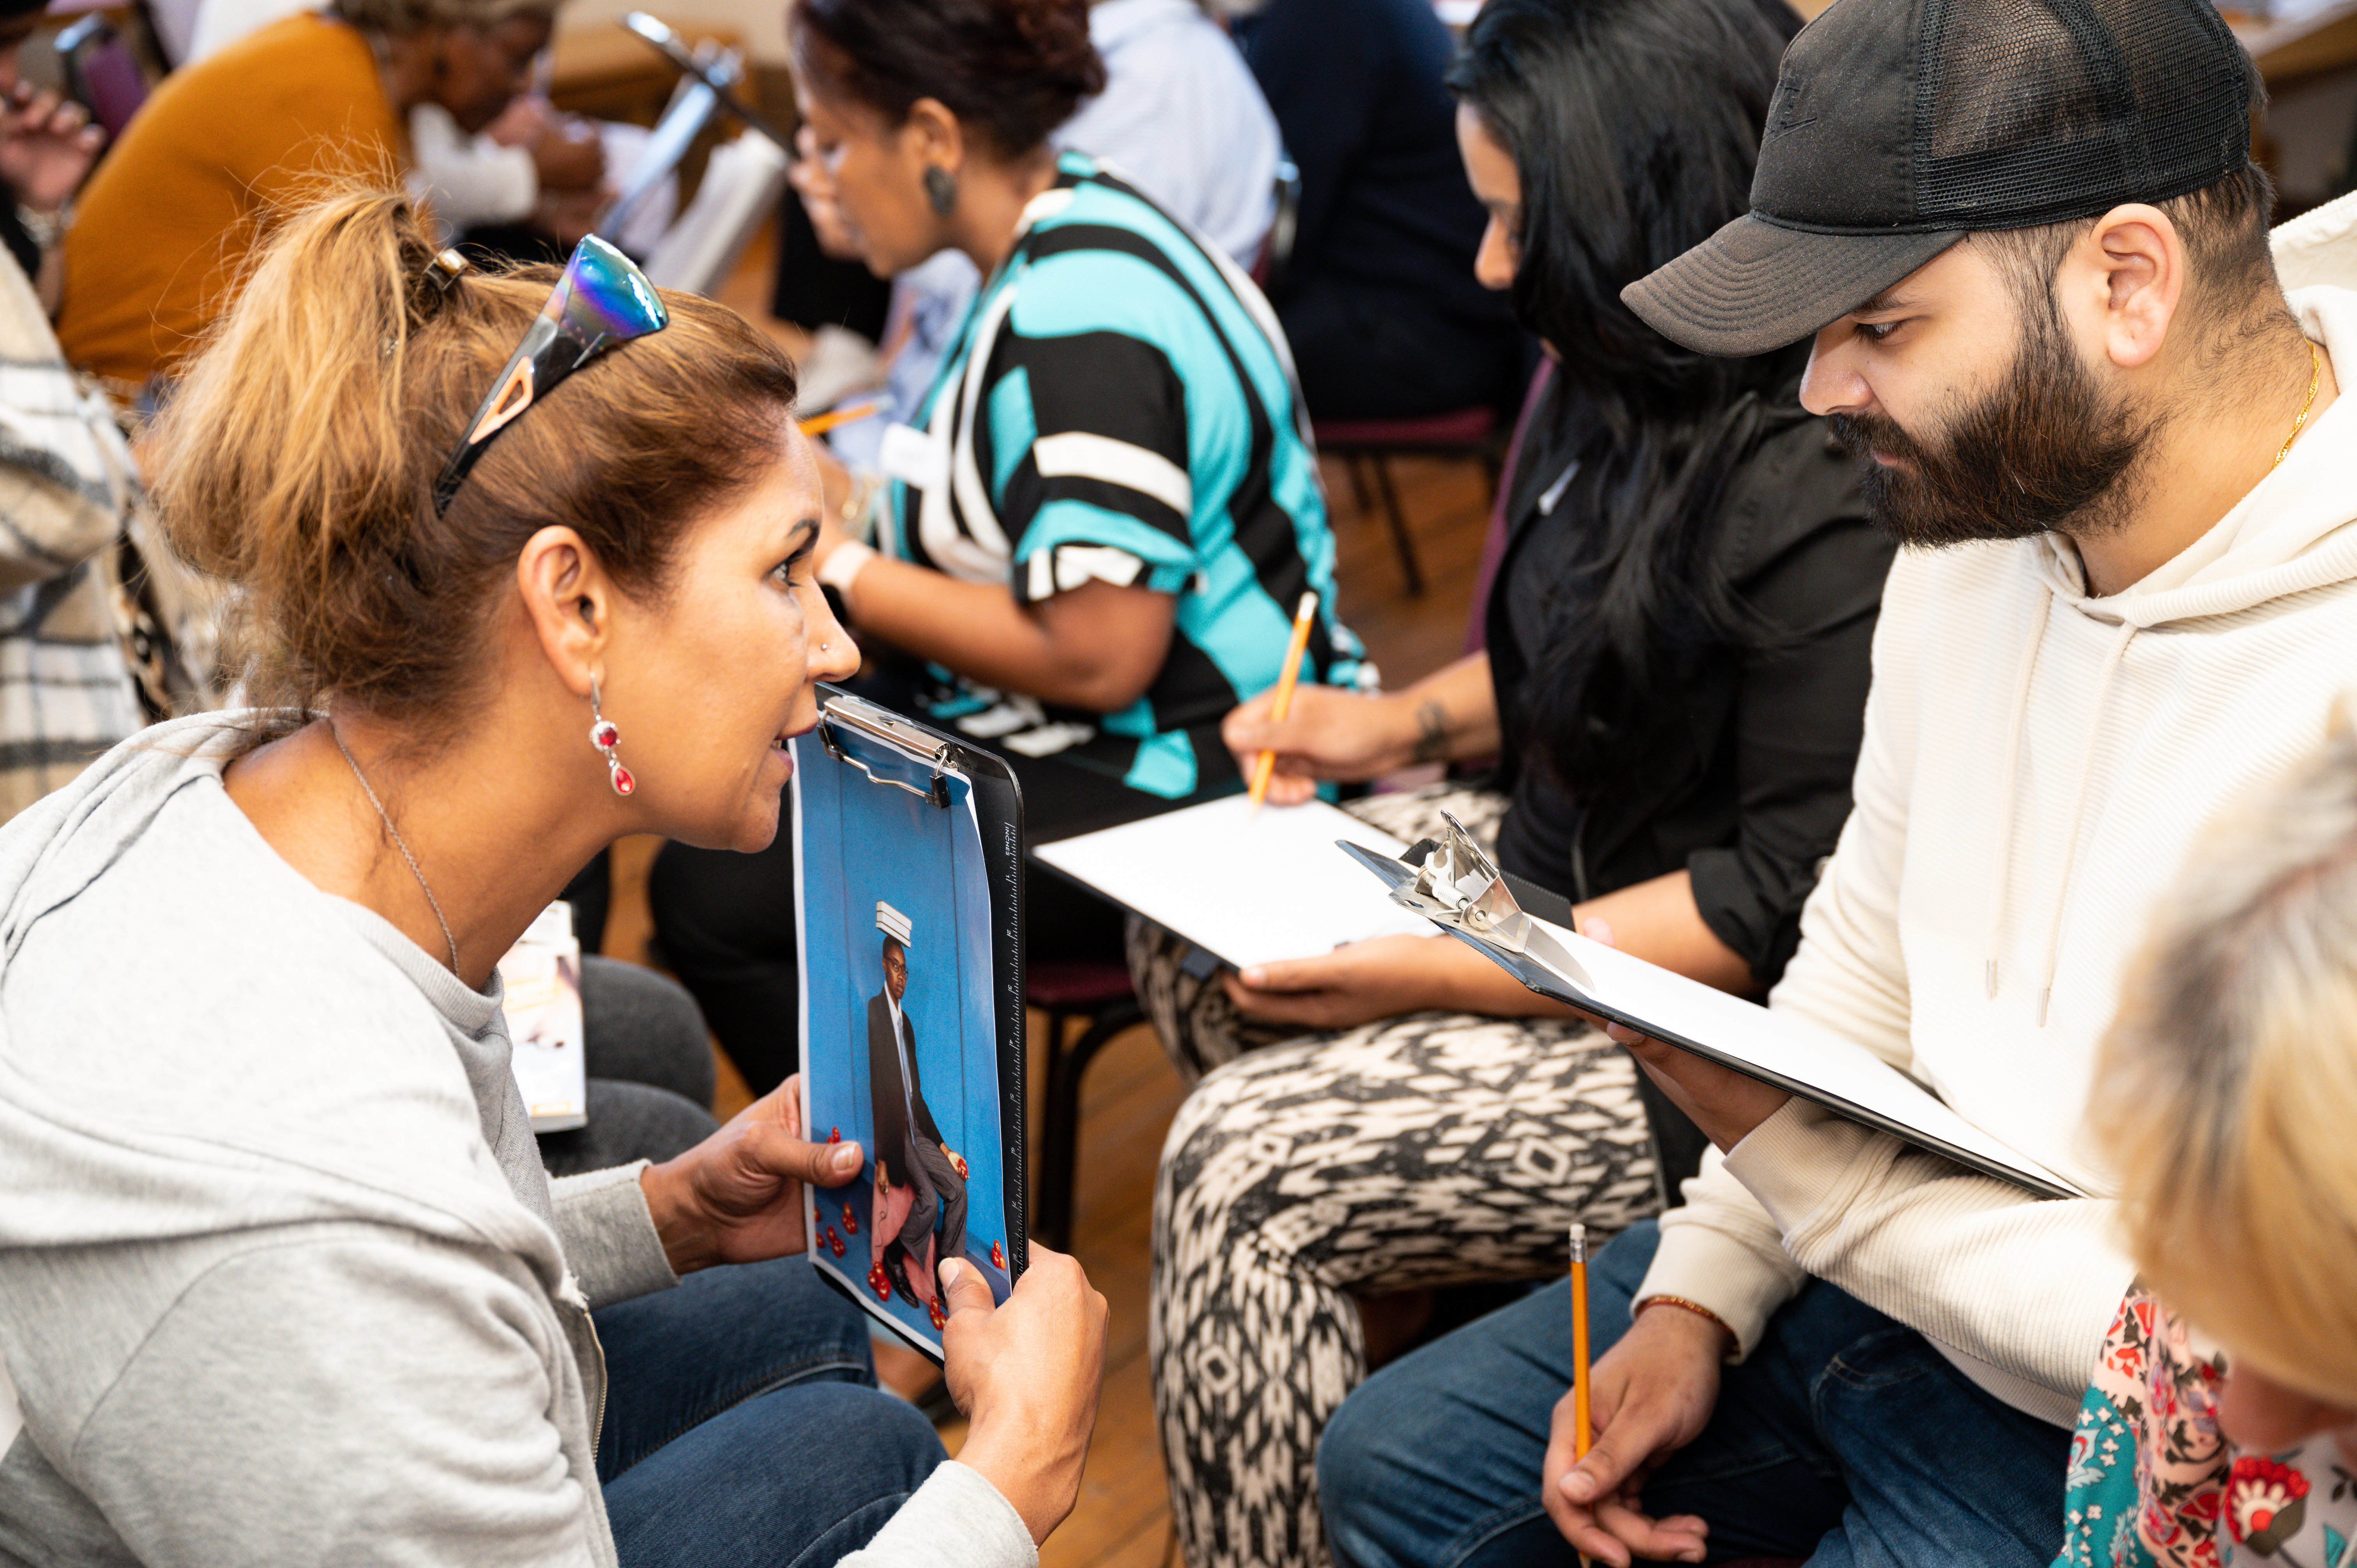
(2035, 764)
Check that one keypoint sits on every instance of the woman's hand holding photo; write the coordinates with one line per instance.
(737, 1196)
(1026, 1374)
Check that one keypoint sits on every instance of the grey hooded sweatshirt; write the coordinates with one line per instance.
(282, 1279)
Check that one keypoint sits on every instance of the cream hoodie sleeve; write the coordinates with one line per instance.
(2024, 1285)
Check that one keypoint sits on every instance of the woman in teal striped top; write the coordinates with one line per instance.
(1099, 520)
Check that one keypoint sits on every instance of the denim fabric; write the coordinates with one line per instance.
(743, 1425)
(1845, 1438)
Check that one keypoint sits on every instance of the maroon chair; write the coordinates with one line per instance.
(1065, 989)
(1365, 444)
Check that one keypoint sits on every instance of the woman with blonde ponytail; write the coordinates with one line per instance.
(282, 1278)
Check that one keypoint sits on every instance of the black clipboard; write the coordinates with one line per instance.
(1556, 962)
(910, 840)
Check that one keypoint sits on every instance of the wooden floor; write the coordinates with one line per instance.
(1123, 1517)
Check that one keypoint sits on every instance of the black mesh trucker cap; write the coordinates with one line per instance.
(1899, 126)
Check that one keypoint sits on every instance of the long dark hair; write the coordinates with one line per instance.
(1633, 126)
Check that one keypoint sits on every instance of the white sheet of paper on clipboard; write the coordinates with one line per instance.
(1143, 865)
(1455, 886)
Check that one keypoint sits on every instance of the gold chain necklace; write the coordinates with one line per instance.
(2315, 379)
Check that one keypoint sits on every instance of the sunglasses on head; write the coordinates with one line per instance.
(602, 300)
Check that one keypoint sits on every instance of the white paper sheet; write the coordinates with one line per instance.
(1246, 889)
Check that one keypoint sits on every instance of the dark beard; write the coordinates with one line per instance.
(2045, 451)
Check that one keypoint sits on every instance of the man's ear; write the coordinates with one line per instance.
(2126, 279)
(570, 601)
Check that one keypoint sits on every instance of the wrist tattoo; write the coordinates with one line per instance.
(1431, 731)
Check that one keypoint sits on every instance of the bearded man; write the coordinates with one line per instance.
(2033, 252)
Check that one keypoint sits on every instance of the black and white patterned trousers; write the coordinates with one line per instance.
(1429, 1150)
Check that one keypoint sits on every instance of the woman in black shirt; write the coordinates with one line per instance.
(1674, 687)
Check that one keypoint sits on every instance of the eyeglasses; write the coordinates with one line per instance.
(601, 301)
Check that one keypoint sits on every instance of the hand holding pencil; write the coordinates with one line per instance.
(1648, 1396)
(1305, 616)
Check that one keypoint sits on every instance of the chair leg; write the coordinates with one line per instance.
(1355, 463)
(1044, 1063)
(1059, 1134)
(1401, 542)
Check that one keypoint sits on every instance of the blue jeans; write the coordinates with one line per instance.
(1844, 1438)
(743, 1424)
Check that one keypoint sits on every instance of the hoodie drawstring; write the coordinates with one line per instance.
(2077, 814)
(2001, 883)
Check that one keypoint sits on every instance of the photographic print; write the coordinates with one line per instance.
(901, 1035)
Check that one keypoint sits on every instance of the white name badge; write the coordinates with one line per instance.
(912, 456)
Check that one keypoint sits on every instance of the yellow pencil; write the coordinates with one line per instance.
(1302, 619)
(1583, 1433)
(820, 424)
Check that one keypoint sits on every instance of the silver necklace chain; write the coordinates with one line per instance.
(399, 844)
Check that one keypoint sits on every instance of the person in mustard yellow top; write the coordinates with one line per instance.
(166, 225)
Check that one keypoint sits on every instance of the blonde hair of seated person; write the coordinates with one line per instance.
(2226, 1093)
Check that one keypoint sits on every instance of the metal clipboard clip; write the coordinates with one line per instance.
(881, 726)
(1450, 882)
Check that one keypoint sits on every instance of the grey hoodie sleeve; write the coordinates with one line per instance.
(956, 1520)
(609, 1235)
(405, 1413)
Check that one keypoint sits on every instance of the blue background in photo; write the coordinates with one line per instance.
(863, 842)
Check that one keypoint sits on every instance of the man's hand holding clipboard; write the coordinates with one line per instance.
(1725, 1103)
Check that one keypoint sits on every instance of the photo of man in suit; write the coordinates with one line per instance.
(910, 1152)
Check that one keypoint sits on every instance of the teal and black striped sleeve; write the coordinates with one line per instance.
(1084, 428)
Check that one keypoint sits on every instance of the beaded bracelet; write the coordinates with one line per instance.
(1693, 1306)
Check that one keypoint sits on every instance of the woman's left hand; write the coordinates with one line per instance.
(737, 1198)
(1354, 984)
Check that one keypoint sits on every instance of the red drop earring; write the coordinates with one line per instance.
(605, 735)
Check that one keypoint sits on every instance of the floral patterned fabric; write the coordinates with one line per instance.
(2154, 1483)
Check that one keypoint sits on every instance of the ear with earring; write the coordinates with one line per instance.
(605, 735)
(941, 189)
